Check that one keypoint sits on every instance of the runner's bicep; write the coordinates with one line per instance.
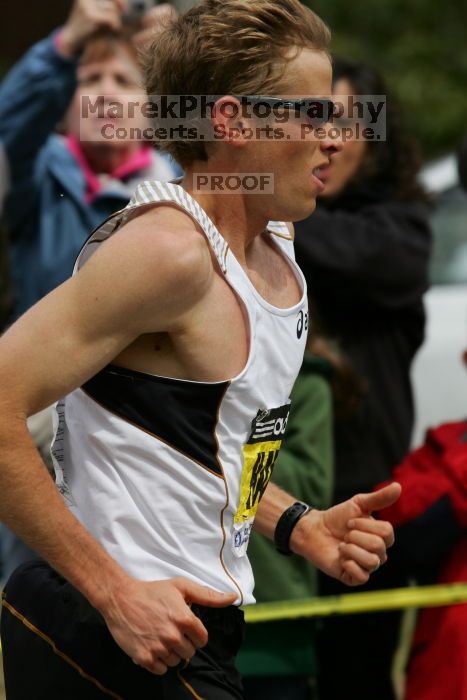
(55, 347)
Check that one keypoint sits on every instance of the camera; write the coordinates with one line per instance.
(138, 8)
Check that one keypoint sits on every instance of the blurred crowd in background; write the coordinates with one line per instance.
(384, 230)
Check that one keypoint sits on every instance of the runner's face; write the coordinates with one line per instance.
(293, 159)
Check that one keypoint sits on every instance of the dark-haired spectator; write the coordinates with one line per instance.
(365, 254)
(62, 185)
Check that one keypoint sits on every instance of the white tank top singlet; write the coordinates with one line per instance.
(165, 473)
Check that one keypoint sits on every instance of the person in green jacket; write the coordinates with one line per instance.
(278, 659)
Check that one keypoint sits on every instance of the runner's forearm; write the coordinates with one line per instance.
(274, 502)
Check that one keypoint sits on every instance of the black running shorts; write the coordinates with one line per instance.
(56, 646)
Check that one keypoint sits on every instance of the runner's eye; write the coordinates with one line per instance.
(316, 112)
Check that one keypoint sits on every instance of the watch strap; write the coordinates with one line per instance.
(286, 524)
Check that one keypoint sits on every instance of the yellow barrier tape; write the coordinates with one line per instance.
(372, 601)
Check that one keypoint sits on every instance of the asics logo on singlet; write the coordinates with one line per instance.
(302, 324)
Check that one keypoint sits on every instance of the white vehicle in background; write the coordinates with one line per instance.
(440, 378)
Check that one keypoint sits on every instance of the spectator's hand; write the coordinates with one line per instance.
(345, 541)
(86, 18)
(154, 21)
(152, 621)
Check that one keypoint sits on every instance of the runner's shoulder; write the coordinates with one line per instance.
(169, 251)
(166, 229)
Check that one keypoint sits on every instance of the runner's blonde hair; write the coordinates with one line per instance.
(223, 47)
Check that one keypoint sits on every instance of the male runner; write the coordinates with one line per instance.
(175, 344)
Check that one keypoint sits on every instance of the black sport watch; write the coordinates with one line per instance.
(286, 524)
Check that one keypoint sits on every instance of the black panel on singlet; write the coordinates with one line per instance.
(181, 413)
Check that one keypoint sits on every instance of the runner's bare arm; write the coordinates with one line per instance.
(140, 281)
(344, 541)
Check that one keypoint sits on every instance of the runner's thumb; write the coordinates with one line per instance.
(194, 593)
(382, 498)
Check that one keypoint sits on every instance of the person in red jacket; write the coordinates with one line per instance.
(430, 520)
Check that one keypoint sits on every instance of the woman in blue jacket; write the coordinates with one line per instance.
(61, 186)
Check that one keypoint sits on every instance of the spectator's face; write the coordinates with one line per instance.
(344, 165)
(111, 86)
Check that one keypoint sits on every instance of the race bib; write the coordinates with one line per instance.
(259, 456)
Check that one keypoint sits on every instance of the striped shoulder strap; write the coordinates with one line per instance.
(153, 191)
